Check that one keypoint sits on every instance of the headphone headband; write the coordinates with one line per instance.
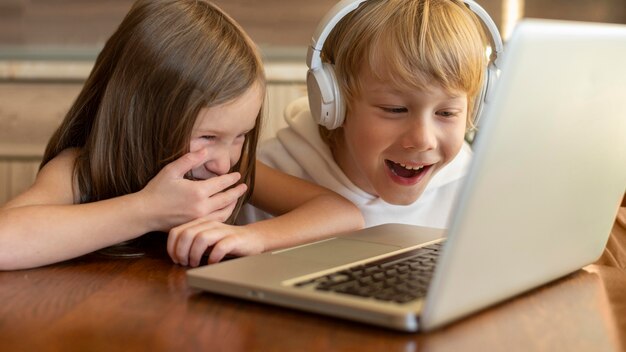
(494, 35)
(344, 7)
(326, 25)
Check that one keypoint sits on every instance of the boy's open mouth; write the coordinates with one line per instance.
(406, 171)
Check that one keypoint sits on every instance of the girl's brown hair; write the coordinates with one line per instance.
(410, 43)
(166, 61)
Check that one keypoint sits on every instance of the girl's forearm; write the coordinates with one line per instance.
(37, 235)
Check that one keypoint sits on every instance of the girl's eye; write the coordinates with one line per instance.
(208, 138)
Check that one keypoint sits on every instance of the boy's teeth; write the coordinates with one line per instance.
(411, 167)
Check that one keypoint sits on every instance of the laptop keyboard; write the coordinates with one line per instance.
(401, 278)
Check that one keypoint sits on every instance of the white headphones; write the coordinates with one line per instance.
(325, 101)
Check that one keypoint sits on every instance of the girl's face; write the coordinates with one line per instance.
(396, 140)
(222, 131)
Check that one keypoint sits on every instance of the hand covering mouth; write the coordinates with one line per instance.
(190, 176)
(405, 171)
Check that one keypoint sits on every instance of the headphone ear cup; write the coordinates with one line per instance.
(327, 106)
(492, 79)
(486, 92)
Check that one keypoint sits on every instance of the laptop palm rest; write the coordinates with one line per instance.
(343, 251)
(363, 244)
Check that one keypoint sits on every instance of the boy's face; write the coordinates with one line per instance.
(396, 140)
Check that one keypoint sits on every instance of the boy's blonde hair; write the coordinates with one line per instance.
(411, 44)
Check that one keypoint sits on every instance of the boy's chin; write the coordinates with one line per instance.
(401, 198)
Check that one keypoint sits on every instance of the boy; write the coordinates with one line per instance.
(408, 75)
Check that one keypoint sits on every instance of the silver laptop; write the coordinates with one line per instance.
(539, 201)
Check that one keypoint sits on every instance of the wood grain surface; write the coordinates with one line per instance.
(102, 303)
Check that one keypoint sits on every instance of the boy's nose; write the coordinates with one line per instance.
(420, 136)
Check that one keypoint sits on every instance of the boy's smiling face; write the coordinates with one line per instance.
(395, 140)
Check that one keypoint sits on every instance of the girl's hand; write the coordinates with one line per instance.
(171, 199)
(186, 244)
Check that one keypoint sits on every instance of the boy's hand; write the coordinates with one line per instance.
(173, 200)
(187, 243)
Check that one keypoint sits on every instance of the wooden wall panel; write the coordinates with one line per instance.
(16, 175)
(278, 97)
(612, 11)
(91, 22)
(30, 112)
(269, 22)
(22, 173)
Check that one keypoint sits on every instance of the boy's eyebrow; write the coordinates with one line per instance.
(396, 91)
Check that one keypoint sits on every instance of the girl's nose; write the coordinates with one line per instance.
(219, 164)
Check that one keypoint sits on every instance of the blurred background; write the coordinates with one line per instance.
(47, 48)
(282, 27)
(82, 26)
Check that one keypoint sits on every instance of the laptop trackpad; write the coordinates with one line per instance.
(337, 251)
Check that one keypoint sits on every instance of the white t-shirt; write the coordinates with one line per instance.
(299, 151)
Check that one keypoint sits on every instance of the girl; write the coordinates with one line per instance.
(162, 138)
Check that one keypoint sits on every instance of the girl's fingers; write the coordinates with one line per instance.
(221, 215)
(182, 238)
(222, 248)
(201, 244)
(179, 167)
(217, 184)
(224, 199)
(181, 248)
(174, 236)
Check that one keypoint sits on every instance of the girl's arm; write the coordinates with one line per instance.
(44, 225)
(305, 212)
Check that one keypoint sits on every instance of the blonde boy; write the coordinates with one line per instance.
(409, 72)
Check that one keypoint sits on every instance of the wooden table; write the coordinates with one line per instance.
(103, 303)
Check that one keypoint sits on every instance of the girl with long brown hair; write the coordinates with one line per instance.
(162, 137)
